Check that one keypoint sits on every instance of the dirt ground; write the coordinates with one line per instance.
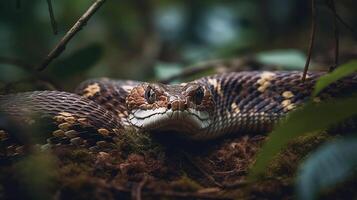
(142, 167)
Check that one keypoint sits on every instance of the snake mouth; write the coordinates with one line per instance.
(162, 120)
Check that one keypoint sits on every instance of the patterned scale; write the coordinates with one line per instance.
(255, 101)
(97, 114)
(73, 119)
(109, 93)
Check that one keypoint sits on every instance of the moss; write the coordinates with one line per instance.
(137, 142)
(69, 154)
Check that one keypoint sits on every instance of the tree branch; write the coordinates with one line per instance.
(69, 35)
(312, 38)
(52, 17)
(331, 4)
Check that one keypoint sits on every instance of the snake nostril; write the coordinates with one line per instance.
(185, 106)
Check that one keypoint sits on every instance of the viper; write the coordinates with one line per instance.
(101, 109)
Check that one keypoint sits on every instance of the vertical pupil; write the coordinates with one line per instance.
(150, 95)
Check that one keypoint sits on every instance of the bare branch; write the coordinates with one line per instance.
(354, 32)
(52, 17)
(312, 38)
(331, 4)
(197, 166)
(166, 193)
(69, 35)
(136, 191)
(339, 18)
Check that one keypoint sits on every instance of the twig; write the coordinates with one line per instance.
(209, 177)
(136, 191)
(354, 32)
(312, 38)
(331, 5)
(69, 35)
(187, 195)
(339, 18)
(168, 193)
(239, 183)
(52, 17)
(336, 32)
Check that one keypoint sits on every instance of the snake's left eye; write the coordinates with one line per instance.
(198, 95)
(150, 95)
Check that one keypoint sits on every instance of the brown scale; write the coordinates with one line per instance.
(245, 100)
(137, 100)
(110, 94)
(271, 100)
(77, 119)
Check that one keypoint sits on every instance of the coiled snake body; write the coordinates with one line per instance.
(202, 109)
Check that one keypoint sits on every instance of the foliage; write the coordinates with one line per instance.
(330, 164)
(309, 119)
(339, 73)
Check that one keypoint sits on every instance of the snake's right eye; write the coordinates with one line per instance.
(150, 95)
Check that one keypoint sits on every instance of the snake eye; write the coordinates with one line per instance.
(150, 95)
(198, 95)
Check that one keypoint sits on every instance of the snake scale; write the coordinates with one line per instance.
(206, 108)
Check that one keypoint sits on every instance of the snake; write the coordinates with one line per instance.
(100, 110)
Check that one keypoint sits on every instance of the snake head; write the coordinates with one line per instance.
(185, 108)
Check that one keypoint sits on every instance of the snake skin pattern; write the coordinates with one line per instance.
(202, 109)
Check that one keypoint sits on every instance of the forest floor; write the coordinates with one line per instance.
(142, 167)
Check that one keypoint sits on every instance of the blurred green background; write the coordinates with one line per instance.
(151, 40)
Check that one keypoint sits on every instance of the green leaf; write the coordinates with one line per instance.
(340, 72)
(78, 62)
(330, 164)
(308, 119)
